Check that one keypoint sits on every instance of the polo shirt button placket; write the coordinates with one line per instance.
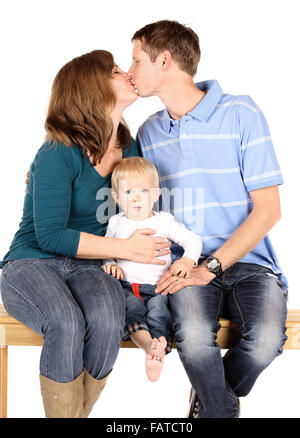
(186, 147)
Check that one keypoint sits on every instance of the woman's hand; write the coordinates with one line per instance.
(144, 248)
(26, 180)
(113, 270)
(170, 284)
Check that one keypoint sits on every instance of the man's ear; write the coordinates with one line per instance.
(115, 196)
(166, 60)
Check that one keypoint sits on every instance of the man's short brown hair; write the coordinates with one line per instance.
(181, 41)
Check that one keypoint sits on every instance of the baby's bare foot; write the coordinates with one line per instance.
(154, 366)
(158, 347)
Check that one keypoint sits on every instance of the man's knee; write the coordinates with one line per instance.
(195, 335)
(265, 344)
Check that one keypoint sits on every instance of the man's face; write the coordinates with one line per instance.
(122, 87)
(145, 75)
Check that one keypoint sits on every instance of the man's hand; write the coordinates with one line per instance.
(170, 284)
(113, 270)
(182, 267)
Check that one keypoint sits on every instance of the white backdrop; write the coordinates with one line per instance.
(250, 47)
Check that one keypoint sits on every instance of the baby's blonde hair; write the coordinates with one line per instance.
(131, 167)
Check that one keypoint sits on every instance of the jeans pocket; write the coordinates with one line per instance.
(276, 278)
(15, 266)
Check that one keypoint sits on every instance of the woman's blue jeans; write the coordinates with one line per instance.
(75, 305)
(252, 297)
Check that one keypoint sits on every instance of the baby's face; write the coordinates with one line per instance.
(137, 196)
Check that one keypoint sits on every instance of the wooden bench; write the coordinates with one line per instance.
(12, 332)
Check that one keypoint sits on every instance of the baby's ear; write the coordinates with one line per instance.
(115, 196)
(156, 193)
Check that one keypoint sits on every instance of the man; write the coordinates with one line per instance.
(220, 144)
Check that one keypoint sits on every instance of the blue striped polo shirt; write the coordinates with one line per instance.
(208, 162)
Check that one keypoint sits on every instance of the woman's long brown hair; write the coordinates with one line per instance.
(80, 105)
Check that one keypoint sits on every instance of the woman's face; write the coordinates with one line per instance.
(122, 87)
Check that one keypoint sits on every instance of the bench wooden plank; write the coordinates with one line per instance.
(19, 334)
(12, 332)
(15, 333)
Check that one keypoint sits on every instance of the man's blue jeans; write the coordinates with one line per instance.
(75, 305)
(252, 297)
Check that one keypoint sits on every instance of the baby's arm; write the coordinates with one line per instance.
(182, 267)
(191, 243)
(109, 265)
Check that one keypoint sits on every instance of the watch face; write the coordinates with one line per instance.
(213, 264)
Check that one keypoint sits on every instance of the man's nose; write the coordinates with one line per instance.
(130, 73)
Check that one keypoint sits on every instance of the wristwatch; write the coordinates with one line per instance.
(213, 265)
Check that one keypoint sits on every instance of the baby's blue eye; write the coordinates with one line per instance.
(145, 190)
(128, 192)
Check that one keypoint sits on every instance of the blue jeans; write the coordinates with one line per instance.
(252, 297)
(148, 311)
(75, 305)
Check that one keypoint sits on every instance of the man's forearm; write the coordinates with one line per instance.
(246, 237)
(264, 215)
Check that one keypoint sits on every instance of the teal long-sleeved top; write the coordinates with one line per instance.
(63, 198)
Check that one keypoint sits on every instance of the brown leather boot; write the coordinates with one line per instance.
(92, 391)
(63, 400)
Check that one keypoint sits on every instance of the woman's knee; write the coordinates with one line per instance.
(100, 323)
(106, 317)
(65, 322)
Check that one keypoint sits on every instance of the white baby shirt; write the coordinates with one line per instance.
(120, 227)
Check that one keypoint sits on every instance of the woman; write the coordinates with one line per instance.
(52, 279)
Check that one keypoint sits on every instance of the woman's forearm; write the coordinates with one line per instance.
(141, 247)
(99, 247)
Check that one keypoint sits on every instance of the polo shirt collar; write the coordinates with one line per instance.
(208, 104)
(204, 108)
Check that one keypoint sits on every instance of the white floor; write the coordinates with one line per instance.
(129, 394)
